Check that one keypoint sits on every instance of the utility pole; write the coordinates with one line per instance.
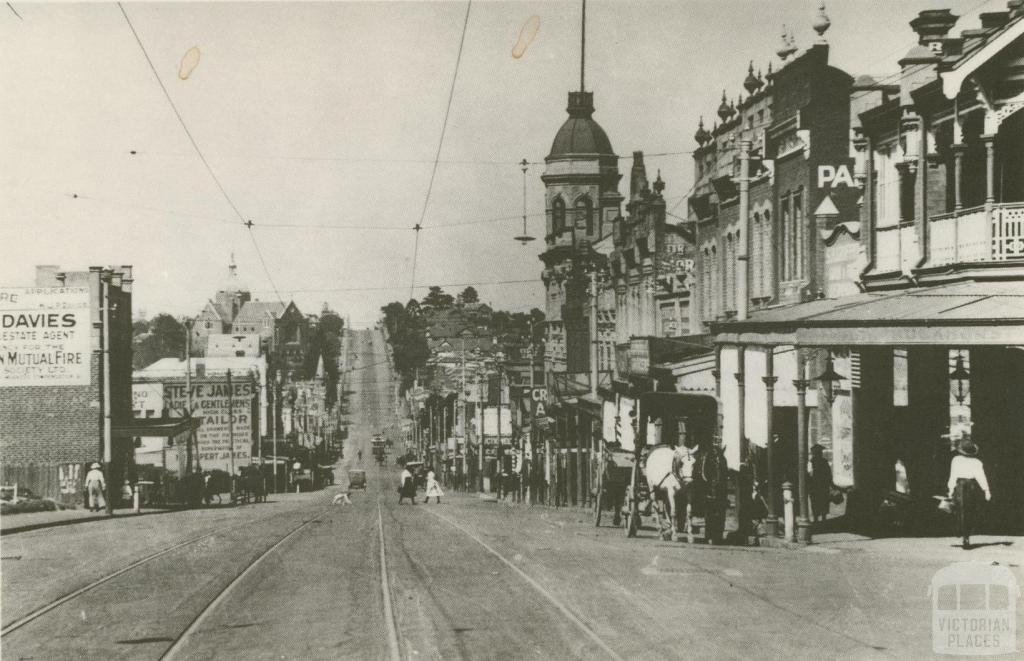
(499, 454)
(593, 333)
(277, 400)
(231, 433)
(480, 408)
(188, 395)
(108, 447)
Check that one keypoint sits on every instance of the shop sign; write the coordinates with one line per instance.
(44, 336)
(222, 412)
(147, 400)
(830, 176)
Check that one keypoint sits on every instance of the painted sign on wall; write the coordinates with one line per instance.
(227, 419)
(44, 336)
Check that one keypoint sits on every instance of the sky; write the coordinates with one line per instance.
(321, 122)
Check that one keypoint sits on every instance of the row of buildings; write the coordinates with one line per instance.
(849, 272)
(69, 395)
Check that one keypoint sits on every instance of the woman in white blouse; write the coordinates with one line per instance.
(967, 484)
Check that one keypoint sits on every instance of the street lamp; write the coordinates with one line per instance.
(960, 375)
(829, 379)
(525, 237)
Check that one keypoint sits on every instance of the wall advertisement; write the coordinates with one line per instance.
(44, 336)
(214, 403)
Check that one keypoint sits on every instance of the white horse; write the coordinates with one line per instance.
(668, 472)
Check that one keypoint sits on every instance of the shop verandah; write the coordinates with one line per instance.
(887, 384)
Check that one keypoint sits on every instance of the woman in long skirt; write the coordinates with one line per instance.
(433, 488)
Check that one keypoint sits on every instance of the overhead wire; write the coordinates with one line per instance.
(248, 224)
(440, 145)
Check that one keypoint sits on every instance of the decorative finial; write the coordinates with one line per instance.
(751, 84)
(659, 185)
(769, 69)
(701, 136)
(723, 110)
(821, 23)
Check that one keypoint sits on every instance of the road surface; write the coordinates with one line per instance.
(301, 578)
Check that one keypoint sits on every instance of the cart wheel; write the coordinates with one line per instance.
(597, 501)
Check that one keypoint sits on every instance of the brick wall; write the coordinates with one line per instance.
(50, 426)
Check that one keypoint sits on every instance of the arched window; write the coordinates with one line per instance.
(756, 258)
(730, 272)
(767, 254)
(585, 215)
(557, 215)
(716, 292)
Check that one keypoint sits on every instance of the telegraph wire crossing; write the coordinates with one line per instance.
(327, 226)
(440, 145)
(247, 223)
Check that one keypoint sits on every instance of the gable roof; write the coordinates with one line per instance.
(990, 46)
(258, 311)
(216, 310)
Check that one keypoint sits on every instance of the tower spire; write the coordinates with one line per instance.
(583, 46)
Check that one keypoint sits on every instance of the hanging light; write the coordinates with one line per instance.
(960, 375)
(829, 379)
(524, 238)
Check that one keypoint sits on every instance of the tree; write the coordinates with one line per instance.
(469, 295)
(437, 299)
(166, 339)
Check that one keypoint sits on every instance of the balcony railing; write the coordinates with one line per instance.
(966, 237)
(897, 248)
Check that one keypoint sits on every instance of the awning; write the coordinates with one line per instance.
(163, 427)
(961, 314)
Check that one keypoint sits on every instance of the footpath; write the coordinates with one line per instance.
(15, 523)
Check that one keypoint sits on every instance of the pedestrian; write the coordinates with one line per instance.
(966, 485)
(406, 486)
(359, 454)
(96, 485)
(433, 488)
(820, 491)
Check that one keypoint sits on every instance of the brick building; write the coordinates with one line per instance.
(65, 378)
(285, 333)
(921, 346)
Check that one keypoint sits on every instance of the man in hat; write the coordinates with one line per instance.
(96, 485)
(966, 485)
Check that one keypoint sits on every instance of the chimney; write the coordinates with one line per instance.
(46, 275)
(931, 25)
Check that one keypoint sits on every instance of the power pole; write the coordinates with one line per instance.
(500, 456)
(188, 395)
(231, 433)
(277, 400)
(108, 447)
(480, 408)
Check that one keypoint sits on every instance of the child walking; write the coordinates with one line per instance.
(433, 488)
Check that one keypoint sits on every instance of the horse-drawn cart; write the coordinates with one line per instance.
(683, 482)
(614, 474)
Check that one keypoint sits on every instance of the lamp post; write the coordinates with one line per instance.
(960, 375)
(829, 378)
(803, 522)
(499, 359)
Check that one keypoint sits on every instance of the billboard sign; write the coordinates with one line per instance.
(223, 411)
(44, 336)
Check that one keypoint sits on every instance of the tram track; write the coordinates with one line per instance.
(63, 599)
(148, 564)
(185, 637)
